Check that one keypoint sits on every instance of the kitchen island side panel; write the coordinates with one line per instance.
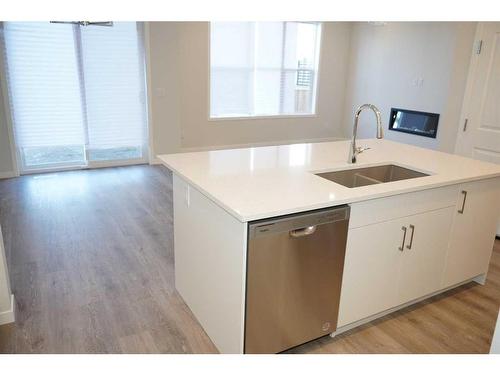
(210, 265)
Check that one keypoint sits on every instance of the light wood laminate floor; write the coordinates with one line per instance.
(90, 255)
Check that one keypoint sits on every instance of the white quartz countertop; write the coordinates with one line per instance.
(261, 182)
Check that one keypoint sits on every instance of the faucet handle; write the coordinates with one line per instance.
(359, 150)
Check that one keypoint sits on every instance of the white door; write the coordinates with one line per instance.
(480, 137)
(479, 133)
(371, 270)
(424, 255)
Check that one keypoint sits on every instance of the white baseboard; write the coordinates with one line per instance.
(481, 279)
(8, 174)
(9, 316)
(154, 161)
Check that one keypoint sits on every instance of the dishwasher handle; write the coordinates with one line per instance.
(302, 232)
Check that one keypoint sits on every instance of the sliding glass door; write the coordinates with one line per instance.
(77, 94)
(114, 90)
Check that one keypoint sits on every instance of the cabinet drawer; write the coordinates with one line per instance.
(389, 208)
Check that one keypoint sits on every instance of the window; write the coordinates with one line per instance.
(77, 93)
(263, 68)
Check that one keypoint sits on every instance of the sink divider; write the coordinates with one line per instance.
(366, 178)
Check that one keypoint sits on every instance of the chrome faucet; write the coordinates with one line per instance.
(353, 150)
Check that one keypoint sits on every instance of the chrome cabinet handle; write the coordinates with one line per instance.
(401, 248)
(461, 211)
(412, 227)
(296, 233)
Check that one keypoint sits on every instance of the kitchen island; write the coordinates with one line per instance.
(450, 213)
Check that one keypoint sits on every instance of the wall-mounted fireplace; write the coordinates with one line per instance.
(414, 122)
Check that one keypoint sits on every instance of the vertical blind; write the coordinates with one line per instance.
(71, 85)
(263, 68)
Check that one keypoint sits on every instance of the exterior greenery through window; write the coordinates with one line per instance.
(263, 68)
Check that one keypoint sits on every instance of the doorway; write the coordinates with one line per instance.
(77, 94)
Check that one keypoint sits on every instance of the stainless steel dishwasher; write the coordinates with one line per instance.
(294, 274)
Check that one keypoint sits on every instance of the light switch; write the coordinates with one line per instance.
(417, 82)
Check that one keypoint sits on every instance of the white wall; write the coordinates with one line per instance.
(495, 341)
(385, 61)
(6, 163)
(164, 86)
(6, 301)
(179, 64)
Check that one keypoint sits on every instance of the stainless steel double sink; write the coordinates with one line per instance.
(379, 174)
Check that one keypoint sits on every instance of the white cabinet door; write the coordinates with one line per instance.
(473, 231)
(424, 254)
(371, 270)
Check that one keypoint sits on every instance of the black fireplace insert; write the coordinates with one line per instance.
(414, 122)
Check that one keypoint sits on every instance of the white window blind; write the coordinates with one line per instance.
(114, 85)
(44, 84)
(263, 68)
(77, 93)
